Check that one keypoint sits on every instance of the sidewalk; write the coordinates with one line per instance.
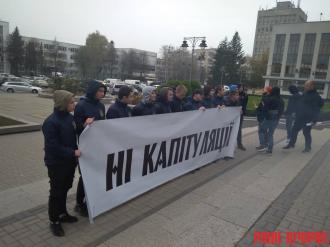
(220, 205)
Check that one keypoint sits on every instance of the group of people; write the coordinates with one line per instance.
(301, 114)
(62, 130)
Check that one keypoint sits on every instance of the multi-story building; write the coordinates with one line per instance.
(142, 63)
(65, 53)
(300, 52)
(284, 12)
(4, 34)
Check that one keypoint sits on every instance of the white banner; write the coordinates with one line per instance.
(123, 158)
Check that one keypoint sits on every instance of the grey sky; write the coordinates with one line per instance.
(144, 24)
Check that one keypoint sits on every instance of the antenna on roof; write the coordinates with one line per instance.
(321, 14)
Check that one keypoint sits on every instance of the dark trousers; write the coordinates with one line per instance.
(289, 124)
(80, 196)
(239, 135)
(298, 125)
(60, 180)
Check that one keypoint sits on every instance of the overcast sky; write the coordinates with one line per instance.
(144, 24)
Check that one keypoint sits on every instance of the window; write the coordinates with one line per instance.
(292, 55)
(323, 57)
(278, 54)
(307, 55)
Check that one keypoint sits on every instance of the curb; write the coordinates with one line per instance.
(19, 128)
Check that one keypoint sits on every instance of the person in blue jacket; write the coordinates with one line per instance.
(218, 100)
(196, 102)
(120, 108)
(89, 109)
(61, 153)
(147, 104)
(291, 110)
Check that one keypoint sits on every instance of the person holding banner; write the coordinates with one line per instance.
(196, 103)
(120, 109)
(147, 104)
(218, 100)
(163, 103)
(88, 109)
(178, 100)
(61, 153)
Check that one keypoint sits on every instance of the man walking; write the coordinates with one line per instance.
(308, 111)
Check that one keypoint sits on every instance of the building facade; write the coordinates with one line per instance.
(136, 63)
(4, 34)
(300, 52)
(283, 13)
(65, 53)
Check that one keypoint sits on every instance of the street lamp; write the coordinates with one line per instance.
(193, 41)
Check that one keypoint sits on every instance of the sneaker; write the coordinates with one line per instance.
(288, 146)
(56, 229)
(81, 209)
(306, 150)
(241, 147)
(268, 152)
(287, 141)
(67, 218)
(261, 149)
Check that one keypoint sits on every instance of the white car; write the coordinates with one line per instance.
(11, 87)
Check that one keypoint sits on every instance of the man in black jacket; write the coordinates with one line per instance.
(61, 153)
(147, 104)
(291, 110)
(178, 99)
(196, 103)
(88, 109)
(308, 111)
(120, 109)
(273, 107)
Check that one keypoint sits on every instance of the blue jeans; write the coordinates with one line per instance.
(266, 133)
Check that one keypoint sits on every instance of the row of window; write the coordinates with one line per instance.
(307, 56)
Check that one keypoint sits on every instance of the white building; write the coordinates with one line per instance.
(66, 50)
(284, 12)
(4, 34)
(300, 52)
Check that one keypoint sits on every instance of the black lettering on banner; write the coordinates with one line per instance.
(218, 142)
(212, 139)
(226, 137)
(183, 143)
(204, 143)
(147, 160)
(161, 159)
(222, 137)
(196, 142)
(188, 145)
(112, 169)
(230, 129)
(173, 142)
(128, 165)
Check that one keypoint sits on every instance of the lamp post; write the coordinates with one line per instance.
(193, 41)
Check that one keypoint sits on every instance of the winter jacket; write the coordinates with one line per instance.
(218, 101)
(192, 105)
(273, 107)
(309, 106)
(89, 107)
(59, 131)
(118, 110)
(177, 104)
(143, 109)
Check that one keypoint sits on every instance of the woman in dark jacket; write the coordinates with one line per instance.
(163, 103)
(61, 153)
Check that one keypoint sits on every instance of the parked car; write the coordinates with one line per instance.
(114, 88)
(40, 83)
(11, 87)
